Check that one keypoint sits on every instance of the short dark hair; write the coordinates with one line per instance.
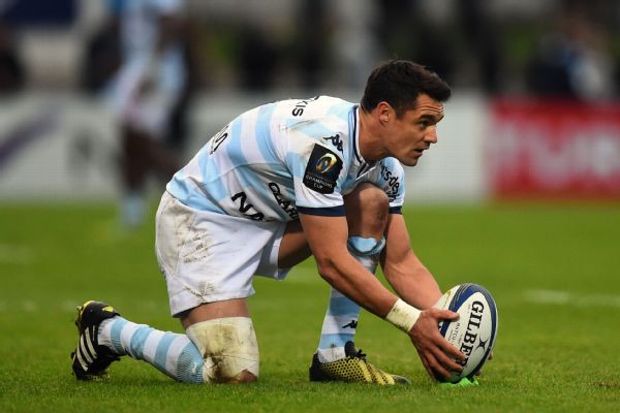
(399, 82)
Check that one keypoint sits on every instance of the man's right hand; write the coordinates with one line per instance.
(438, 356)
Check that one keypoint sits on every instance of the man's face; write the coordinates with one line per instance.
(414, 132)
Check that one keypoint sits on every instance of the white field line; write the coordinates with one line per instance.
(13, 254)
(572, 299)
(549, 297)
(67, 306)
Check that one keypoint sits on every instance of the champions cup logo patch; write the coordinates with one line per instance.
(322, 170)
(325, 163)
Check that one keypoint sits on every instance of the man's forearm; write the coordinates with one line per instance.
(417, 287)
(348, 276)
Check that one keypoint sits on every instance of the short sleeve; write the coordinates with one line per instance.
(317, 177)
(390, 176)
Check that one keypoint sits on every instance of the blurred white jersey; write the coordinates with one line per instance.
(140, 25)
(282, 158)
(143, 64)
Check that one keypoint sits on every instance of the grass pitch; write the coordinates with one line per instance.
(553, 270)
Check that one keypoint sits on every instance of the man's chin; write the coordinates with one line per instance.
(409, 162)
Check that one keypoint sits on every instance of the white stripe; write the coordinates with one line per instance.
(83, 351)
(126, 333)
(81, 360)
(91, 348)
(150, 345)
(172, 357)
(30, 306)
(572, 299)
(14, 254)
(249, 147)
(327, 355)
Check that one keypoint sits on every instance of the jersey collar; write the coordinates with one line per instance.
(356, 135)
(362, 166)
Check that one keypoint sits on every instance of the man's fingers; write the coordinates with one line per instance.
(440, 358)
(450, 350)
(447, 362)
(441, 343)
(426, 366)
(438, 371)
(447, 315)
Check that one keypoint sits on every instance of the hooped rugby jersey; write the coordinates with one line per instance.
(282, 158)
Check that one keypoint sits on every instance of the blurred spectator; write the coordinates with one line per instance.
(481, 38)
(312, 37)
(395, 27)
(258, 58)
(571, 61)
(177, 133)
(355, 47)
(102, 57)
(11, 69)
(405, 31)
(145, 93)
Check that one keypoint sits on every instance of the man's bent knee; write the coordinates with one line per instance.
(229, 348)
(367, 209)
(243, 377)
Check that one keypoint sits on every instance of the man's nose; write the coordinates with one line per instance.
(431, 135)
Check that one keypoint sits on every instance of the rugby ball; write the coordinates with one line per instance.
(475, 331)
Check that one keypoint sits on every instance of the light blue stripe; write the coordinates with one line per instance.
(263, 133)
(346, 112)
(115, 332)
(343, 111)
(234, 148)
(246, 176)
(212, 177)
(136, 344)
(334, 340)
(162, 351)
(342, 306)
(298, 162)
(193, 197)
(190, 365)
(185, 189)
(317, 131)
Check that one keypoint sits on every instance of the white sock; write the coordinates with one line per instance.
(173, 354)
(341, 318)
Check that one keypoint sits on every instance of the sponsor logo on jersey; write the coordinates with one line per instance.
(352, 324)
(285, 204)
(391, 183)
(335, 140)
(246, 208)
(325, 163)
(298, 110)
(322, 170)
(217, 140)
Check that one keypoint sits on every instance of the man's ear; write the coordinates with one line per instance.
(385, 112)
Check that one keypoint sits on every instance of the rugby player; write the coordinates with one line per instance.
(283, 181)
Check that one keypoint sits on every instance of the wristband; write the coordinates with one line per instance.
(403, 315)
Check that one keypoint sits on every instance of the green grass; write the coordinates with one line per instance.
(554, 271)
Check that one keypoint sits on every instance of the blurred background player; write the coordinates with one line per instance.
(148, 95)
